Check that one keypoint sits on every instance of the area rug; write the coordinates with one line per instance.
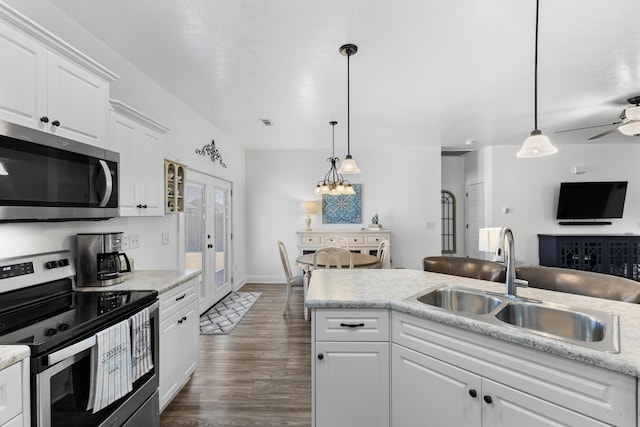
(227, 313)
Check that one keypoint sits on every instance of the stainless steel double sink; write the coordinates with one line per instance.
(594, 329)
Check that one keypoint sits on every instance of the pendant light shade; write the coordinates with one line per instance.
(348, 166)
(536, 145)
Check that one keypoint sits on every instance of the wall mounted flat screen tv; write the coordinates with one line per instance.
(591, 200)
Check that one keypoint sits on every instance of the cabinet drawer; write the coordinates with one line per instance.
(355, 240)
(10, 392)
(376, 238)
(309, 240)
(175, 299)
(352, 325)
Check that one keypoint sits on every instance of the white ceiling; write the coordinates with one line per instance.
(427, 72)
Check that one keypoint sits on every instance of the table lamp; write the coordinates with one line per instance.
(308, 208)
(488, 242)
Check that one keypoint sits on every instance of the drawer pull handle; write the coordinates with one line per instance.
(352, 325)
(182, 320)
(181, 297)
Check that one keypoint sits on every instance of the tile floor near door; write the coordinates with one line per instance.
(259, 375)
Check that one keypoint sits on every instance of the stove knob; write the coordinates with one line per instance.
(51, 264)
(63, 326)
(63, 262)
(50, 332)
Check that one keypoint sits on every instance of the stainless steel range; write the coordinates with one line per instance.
(76, 378)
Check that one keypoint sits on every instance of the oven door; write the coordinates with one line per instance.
(61, 391)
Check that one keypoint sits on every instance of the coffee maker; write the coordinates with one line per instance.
(100, 260)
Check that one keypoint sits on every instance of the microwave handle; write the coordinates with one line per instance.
(105, 174)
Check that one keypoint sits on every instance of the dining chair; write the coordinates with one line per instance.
(291, 279)
(339, 242)
(333, 255)
(384, 254)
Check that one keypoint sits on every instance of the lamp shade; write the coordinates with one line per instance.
(536, 145)
(488, 239)
(309, 207)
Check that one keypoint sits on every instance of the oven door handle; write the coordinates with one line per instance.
(72, 350)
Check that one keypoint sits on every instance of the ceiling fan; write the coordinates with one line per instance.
(629, 123)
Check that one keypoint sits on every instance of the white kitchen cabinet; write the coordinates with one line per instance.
(50, 86)
(14, 395)
(436, 370)
(427, 391)
(139, 140)
(179, 339)
(350, 368)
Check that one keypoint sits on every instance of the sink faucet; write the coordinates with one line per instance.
(511, 282)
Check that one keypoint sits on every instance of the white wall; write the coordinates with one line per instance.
(453, 181)
(403, 188)
(529, 188)
(188, 131)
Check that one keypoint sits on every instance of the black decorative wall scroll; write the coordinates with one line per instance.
(211, 151)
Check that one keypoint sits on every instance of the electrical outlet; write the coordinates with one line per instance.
(126, 242)
(135, 241)
(165, 238)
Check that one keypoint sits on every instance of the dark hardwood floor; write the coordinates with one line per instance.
(259, 375)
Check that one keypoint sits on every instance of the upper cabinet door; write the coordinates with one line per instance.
(47, 84)
(23, 78)
(77, 102)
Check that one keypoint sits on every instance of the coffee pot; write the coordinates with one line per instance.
(101, 261)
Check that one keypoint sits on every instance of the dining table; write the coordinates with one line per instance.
(306, 262)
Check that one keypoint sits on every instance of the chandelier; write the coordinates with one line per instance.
(333, 183)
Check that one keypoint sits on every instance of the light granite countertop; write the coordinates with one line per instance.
(332, 288)
(149, 280)
(10, 354)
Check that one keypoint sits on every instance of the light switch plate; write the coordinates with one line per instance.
(165, 238)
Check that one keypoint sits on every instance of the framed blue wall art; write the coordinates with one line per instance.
(343, 209)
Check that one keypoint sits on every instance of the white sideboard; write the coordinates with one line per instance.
(361, 241)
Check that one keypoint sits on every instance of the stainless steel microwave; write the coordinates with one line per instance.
(45, 177)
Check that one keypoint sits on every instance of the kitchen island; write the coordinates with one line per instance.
(410, 359)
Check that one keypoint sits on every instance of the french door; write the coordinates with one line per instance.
(208, 234)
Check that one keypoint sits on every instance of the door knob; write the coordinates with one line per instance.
(473, 393)
(488, 399)
(55, 123)
(321, 356)
(209, 246)
(44, 119)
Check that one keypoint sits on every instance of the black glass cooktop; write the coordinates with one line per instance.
(52, 314)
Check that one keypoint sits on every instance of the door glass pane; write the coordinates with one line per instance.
(220, 233)
(194, 226)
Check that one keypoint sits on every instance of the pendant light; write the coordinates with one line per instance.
(333, 183)
(536, 145)
(348, 165)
